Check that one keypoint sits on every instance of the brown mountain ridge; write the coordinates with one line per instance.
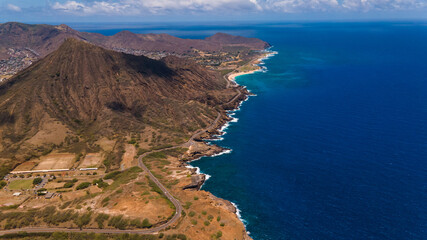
(84, 92)
(44, 39)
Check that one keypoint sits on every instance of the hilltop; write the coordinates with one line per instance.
(86, 92)
(104, 134)
(22, 44)
(45, 38)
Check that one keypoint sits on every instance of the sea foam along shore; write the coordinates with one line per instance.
(258, 62)
(231, 114)
(232, 77)
(207, 176)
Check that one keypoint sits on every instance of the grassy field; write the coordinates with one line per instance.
(248, 67)
(21, 184)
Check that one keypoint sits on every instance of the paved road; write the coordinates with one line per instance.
(175, 202)
(176, 216)
(231, 83)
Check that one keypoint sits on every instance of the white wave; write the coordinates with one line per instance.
(216, 139)
(232, 113)
(271, 54)
(192, 167)
(263, 69)
(223, 128)
(207, 176)
(198, 171)
(226, 151)
(238, 214)
(260, 63)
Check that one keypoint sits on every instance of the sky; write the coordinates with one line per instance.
(63, 11)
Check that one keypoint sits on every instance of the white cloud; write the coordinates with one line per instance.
(368, 5)
(70, 6)
(14, 8)
(135, 7)
(301, 5)
(95, 8)
(159, 6)
(128, 7)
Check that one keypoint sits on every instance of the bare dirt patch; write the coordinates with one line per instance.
(56, 161)
(155, 209)
(26, 166)
(40, 201)
(91, 160)
(51, 132)
(6, 198)
(129, 157)
(106, 144)
(54, 185)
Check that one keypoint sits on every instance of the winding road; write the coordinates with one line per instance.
(175, 202)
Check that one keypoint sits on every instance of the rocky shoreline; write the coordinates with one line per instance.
(202, 149)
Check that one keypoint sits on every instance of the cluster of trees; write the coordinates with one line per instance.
(122, 223)
(90, 236)
(78, 236)
(112, 175)
(37, 181)
(70, 184)
(48, 215)
(51, 216)
(100, 183)
(179, 236)
(83, 185)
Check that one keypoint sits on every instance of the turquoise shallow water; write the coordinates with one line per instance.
(334, 145)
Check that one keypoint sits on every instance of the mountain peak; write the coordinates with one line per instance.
(75, 44)
(65, 28)
(125, 33)
(225, 38)
(84, 87)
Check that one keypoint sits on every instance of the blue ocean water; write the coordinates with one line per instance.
(334, 145)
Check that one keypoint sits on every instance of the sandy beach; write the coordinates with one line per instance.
(232, 76)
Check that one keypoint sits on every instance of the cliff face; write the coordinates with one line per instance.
(88, 89)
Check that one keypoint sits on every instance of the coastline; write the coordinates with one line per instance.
(224, 123)
(255, 63)
(197, 147)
